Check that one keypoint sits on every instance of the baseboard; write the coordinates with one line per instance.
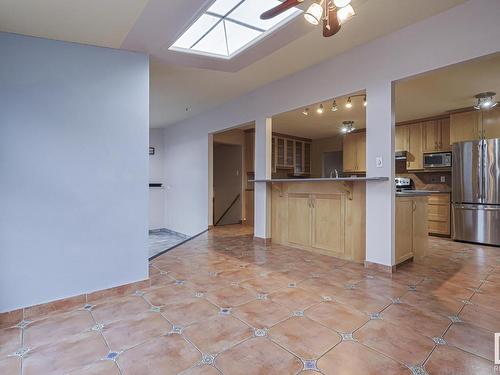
(262, 241)
(12, 318)
(379, 267)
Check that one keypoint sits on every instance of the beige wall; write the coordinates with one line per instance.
(318, 147)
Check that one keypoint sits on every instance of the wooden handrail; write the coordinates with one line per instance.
(227, 209)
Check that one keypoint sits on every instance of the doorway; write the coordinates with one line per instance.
(227, 184)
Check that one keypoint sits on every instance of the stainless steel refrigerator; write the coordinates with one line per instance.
(476, 191)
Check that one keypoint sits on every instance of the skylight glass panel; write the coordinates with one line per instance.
(230, 26)
(239, 36)
(222, 7)
(214, 42)
(249, 13)
(196, 31)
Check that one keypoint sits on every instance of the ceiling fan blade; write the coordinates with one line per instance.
(285, 5)
(331, 25)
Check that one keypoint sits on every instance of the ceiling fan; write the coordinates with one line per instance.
(332, 13)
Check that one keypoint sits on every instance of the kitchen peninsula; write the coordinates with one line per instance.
(328, 216)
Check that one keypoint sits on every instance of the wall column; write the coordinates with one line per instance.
(210, 180)
(262, 201)
(380, 196)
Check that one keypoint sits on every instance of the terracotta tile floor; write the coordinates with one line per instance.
(222, 304)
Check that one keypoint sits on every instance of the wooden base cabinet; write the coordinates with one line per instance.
(439, 214)
(412, 238)
(323, 218)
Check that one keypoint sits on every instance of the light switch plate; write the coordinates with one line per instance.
(443, 179)
(378, 162)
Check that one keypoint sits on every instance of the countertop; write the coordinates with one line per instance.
(416, 193)
(272, 180)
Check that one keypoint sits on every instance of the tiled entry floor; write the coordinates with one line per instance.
(221, 304)
(163, 239)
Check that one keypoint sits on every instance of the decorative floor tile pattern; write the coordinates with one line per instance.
(239, 307)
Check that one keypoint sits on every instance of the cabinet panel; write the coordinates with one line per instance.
(430, 136)
(299, 166)
(361, 152)
(289, 152)
(349, 153)
(444, 125)
(328, 222)
(280, 150)
(299, 219)
(415, 155)
(307, 157)
(401, 142)
(491, 123)
(439, 216)
(464, 126)
(404, 232)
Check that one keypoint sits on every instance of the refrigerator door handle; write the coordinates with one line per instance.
(477, 208)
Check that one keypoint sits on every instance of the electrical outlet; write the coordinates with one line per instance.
(378, 162)
(443, 178)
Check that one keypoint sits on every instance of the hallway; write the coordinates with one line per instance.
(222, 304)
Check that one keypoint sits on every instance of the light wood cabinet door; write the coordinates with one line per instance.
(444, 132)
(361, 152)
(401, 142)
(465, 126)
(328, 223)
(420, 227)
(491, 123)
(404, 230)
(415, 154)
(349, 153)
(431, 137)
(299, 219)
(307, 157)
(439, 217)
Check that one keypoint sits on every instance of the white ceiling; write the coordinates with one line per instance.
(319, 126)
(152, 25)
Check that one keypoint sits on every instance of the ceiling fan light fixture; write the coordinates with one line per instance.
(305, 112)
(320, 109)
(341, 3)
(335, 108)
(345, 13)
(349, 103)
(314, 13)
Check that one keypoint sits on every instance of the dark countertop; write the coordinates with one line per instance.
(273, 180)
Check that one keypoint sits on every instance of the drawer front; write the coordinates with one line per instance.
(439, 227)
(439, 199)
(439, 212)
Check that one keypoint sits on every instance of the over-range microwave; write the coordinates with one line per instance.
(437, 160)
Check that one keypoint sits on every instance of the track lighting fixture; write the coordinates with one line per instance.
(364, 101)
(349, 103)
(347, 127)
(320, 109)
(305, 112)
(334, 106)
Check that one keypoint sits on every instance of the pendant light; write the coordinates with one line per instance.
(485, 100)
(341, 3)
(365, 103)
(314, 13)
(335, 108)
(349, 103)
(345, 13)
(320, 109)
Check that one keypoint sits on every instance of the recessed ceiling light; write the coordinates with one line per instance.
(231, 26)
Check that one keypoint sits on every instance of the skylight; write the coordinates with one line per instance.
(230, 26)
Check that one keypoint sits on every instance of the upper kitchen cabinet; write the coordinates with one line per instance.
(465, 126)
(401, 143)
(354, 152)
(414, 159)
(436, 135)
(491, 123)
(302, 157)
